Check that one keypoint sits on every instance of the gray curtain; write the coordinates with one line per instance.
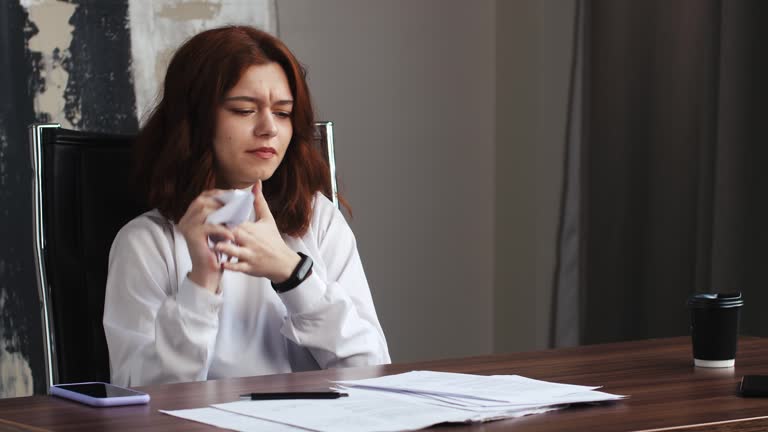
(669, 181)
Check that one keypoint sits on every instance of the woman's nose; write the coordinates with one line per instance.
(265, 124)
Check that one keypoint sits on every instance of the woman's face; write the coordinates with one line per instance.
(253, 127)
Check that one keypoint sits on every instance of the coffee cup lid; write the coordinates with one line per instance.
(716, 300)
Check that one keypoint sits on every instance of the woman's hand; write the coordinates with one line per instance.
(259, 248)
(206, 269)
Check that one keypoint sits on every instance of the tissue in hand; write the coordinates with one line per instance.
(237, 206)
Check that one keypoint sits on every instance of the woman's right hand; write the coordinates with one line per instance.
(206, 269)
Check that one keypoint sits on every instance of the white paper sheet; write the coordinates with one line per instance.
(230, 420)
(471, 414)
(361, 411)
(472, 389)
(409, 401)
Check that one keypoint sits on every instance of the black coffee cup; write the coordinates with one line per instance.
(715, 328)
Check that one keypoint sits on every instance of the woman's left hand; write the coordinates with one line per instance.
(259, 248)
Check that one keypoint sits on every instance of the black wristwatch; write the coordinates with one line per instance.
(299, 275)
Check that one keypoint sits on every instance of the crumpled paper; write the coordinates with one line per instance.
(238, 205)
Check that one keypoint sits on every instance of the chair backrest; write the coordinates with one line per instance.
(324, 143)
(81, 198)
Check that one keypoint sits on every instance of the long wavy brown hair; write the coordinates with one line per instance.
(174, 158)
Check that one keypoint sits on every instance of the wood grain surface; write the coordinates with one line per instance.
(666, 392)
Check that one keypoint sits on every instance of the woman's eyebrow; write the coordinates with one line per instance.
(256, 100)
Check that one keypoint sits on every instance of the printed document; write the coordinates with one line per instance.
(407, 401)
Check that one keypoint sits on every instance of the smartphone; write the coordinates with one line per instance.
(99, 394)
(754, 386)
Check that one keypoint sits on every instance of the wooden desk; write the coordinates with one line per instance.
(666, 391)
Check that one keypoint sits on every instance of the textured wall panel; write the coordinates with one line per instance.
(50, 46)
(65, 63)
(20, 332)
(71, 62)
(159, 27)
(100, 82)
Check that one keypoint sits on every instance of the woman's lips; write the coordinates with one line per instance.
(264, 152)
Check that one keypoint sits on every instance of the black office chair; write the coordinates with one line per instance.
(81, 198)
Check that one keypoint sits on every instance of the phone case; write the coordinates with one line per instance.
(754, 386)
(137, 399)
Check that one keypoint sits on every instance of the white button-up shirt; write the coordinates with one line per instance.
(161, 327)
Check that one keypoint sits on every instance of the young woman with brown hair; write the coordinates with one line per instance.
(235, 114)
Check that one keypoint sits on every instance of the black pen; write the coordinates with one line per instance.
(293, 395)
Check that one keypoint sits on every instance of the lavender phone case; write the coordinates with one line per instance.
(137, 398)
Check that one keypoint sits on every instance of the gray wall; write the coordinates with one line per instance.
(450, 118)
(533, 49)
(410, 87)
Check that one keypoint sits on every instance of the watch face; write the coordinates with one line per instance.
(304, 267)
(302, 271)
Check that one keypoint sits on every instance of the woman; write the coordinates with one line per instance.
(235, 114)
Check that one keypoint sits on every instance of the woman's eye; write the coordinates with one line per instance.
(242, 112)
(282, 114)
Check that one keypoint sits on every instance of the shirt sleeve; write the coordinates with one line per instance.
(156, 332)
(335, 318)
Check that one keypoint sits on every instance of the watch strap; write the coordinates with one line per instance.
(300, 274)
